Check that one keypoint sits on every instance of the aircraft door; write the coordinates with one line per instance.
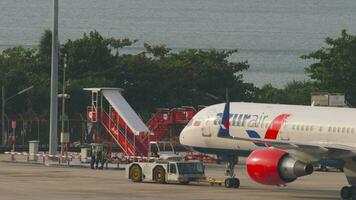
(283, 132)
(208, 124)
(206, 128)
(172, 171)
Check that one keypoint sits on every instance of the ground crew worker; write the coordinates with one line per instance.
(98, 158)
(93, 157)
(105, 158)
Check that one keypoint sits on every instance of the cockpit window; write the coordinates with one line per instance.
(197, 123)
(190, 122)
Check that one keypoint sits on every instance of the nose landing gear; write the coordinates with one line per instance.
(231, 182)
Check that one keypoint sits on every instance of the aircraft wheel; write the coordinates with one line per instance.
(136, 173)
(236, 183)
(229, 182)
(159, 174)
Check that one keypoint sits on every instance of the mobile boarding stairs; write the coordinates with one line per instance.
(112, 116)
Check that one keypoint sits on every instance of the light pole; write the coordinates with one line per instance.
(53, 141)
(64, 117)
(3, 103)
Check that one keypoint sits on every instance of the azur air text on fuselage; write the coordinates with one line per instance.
(243, 119)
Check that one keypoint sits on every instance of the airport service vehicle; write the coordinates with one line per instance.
(281, 142)
(163, 150)
(181, 172)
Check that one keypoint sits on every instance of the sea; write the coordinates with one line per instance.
(270, 34)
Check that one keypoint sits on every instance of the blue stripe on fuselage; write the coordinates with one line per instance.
(254, 134)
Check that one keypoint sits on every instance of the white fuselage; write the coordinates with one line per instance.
(253, 120)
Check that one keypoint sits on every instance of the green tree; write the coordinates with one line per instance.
(156, 77)
(158, 51)
(298, 92)
(119, 43)
(45, 46)
(270, 94)
(335, 66)
(173, 79)
(295, 92)
(16, 71)
(88, 56)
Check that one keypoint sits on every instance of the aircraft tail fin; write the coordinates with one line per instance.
(224, 130)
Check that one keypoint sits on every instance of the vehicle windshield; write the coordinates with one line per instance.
(190, 168)
(165, 146)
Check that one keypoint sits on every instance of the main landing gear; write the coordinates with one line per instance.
(348, 192)
(231, 182)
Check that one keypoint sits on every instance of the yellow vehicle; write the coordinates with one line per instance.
(213, 181)
(181, 172)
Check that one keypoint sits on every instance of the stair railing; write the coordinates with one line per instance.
(118, 127)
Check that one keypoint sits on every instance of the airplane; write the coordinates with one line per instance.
(281, 142)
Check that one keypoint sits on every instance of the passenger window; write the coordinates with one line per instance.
(302, 128)
(329, 129)
(352, 130)
(297, 127)
(311, 128)
(172, 169)
(338, 129)
(334, 129)
(348, 130)
(293, 127)
(307, 128)
(343, 130)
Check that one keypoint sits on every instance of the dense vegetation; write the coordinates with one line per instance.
(155, 77)
(333, 70)
(159, 77)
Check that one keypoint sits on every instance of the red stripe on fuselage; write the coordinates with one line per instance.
(273, 131)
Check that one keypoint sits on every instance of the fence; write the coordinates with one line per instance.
(34, 127)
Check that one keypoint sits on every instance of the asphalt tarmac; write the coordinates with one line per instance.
(37, 182)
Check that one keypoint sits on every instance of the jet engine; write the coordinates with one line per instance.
(275, 167)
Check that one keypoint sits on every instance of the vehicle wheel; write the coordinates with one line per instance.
(136, 173)
(346, 192)
(229, 182)
(159, 175)
(236, 183)
(353, 192)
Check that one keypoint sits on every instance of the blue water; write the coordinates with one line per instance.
(270, 34)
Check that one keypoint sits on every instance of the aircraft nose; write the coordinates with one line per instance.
(185, 139)
(182, 137)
